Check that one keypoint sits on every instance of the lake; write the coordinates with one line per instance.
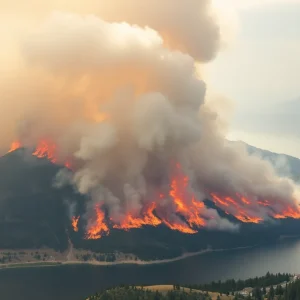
(78, 281)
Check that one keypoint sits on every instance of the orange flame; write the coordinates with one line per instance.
(75, 223)
(237, 207)
(189, 208)
(68, 165)
(182, 227)
(184, 201)
(264, 203)
(247, 219)
(288, 213)
(148, 218)
(99, 227)
(14, 146)
(46, 149)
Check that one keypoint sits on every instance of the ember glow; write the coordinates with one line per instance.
(75, 223)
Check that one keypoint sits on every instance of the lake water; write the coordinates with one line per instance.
(77, 282)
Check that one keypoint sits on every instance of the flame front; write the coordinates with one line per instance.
(248, 211)
(148, 219)
(288, 213)
(98, 227)
(184, 201)
(44, 149)
(237, 208)
(186, 204)
(75, 223)
(189, 210)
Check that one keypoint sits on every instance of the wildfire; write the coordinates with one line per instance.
(148, 218)
(44, 149)
(14, 146)
(288, 213)
(184, 228)
(75, 223)
(99, 227)
(237, 207)
(186, 204)
(187, 207)
(247, 219)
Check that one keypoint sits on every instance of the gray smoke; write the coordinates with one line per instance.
(117, 90)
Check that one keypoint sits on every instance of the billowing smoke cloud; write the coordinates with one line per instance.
(116, 90)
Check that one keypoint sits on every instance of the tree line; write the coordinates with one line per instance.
(268, 287)
(134, 293)
(290, 291)
(232, 285)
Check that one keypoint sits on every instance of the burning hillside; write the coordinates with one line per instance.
(190, 214)
(119, 100)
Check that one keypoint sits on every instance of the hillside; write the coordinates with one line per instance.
(120, 293)
(35, 214)
(285, 165)
(276, 290)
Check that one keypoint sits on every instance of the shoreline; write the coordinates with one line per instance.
(122, 262)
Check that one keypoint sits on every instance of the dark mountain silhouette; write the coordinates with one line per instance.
(35, 214)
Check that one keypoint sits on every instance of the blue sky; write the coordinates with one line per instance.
(260, 72)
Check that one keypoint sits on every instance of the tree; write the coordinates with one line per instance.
(271, 293)
(257, 294)
(285, 292)
(279, 290)
(157, 296)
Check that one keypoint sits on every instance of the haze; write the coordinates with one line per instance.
(259, 72)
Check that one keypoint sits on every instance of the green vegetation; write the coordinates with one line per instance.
(134, 293)
(290, 291)
(269, 287)
(233, 285)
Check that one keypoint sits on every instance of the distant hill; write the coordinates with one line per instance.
(34, 214)
(285, 165)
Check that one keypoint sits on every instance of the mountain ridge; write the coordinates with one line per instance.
(36, 215)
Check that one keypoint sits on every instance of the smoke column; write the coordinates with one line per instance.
(115, 90)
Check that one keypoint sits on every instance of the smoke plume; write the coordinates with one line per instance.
(114, 91)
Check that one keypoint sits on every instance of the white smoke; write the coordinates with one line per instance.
(116, 89)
